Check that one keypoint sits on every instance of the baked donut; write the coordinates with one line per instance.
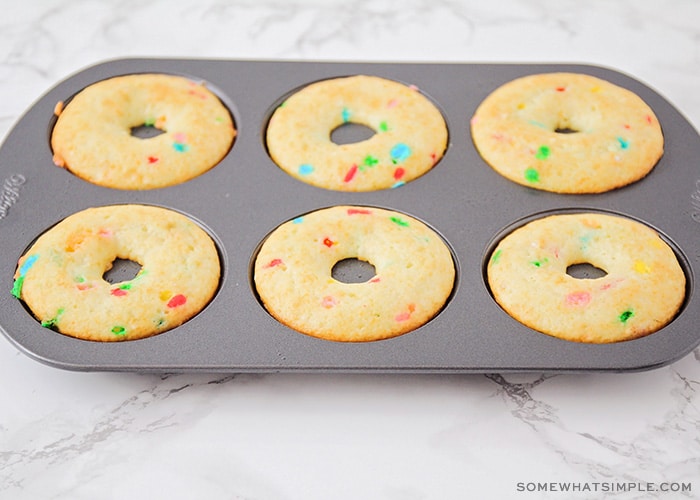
(414, 273)
(93, 137)
(60, 277)
(567, 133)
(410, 134)
(642, 291)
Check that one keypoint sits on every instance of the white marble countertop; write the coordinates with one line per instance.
(305, 436)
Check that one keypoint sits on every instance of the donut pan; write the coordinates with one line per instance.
(246, 196)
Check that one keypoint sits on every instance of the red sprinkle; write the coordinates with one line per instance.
(328, 242)
(152, 159)
(351, 173)
(177, 300)
(118, 292)
(398, 173)
(359, 211)
(561, 89)
(648, 119)
(274, 262)
(375, 280)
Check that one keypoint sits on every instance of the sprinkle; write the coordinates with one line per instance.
(648, 118)
(350, 173)
(305, 169)
(561, 89)
(359, 211)
(375, 280)
(118, 292)
(165, 295)
(176, 301)
(578, 298)
(52, 322)
(152, 159)
(626, 316)
(398, 184)
(345, 114)
(399, 221)
(298, 220)
(274, 263)
(180, 137)
(400, 152)
(328, 242)
(642, 267)
(383, 127)
(328, 302)
(119, 330)
(543, 153)
(496, 256)
(539, 263)
(624, 144)
(399, 173)
(84, 286)
(392, 103)
(370, 161)
(406, 314)
(532, 175)
(180, 148)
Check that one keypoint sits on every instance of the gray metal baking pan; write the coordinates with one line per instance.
(246, 196)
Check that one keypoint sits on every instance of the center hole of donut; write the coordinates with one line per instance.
(146, 131)
(121, 270)
(585, 271)
(353, 271)
(349, 133)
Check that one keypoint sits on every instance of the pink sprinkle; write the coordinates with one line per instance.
(392, 103)
(180, 137)
(118, 292)
(85, 286)
(405, 315)
(578, 298)
(359, 211)
(375, 280)
(176, 301)
(398, 173)
(351, 173)
(274, 262)
(105, 233)
(412, 87)
(328, 302)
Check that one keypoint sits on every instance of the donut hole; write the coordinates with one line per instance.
(353, 270)
(146, 131)
(121, 270)
(585, 271)
(350, 133)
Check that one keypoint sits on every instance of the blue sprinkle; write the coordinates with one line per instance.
(400, 152)
(27, 264)
(398, 184)
(623, 143)
(180, 147)
(298, 220)
(537, 124)
(346, 115)
(305, 169)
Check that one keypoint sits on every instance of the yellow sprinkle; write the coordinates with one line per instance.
(521, 106)
(595, 89)
(165, 295)
(642, 267)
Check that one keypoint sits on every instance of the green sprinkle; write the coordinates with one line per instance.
(624, 144)
(17, 287)
(539, 263)
(126, 286)
(119, 330)
(149, 122)
(625, 316)
(543, 153)
(496, 256)
(399, 221)
(370, 160)
(50, 323)
(532, 175)
(383, 127)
